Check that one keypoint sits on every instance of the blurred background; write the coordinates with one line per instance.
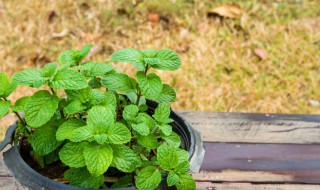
(237, 56)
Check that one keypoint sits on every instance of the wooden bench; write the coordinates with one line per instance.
(249, 152)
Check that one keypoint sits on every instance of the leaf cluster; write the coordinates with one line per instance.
(101, 123)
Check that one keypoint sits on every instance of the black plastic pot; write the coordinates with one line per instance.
(28, 177)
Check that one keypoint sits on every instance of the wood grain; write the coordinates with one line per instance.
(255, 128)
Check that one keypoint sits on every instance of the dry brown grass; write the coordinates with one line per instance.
(220, 71)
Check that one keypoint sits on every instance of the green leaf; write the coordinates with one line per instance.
(162, 112)
(129, 55)
(93, 69)
(146, 119)
(29, 77)
(20, 104)
(65, 130)
(101, 118)
(150, 86)
(182, 167)
(71, 154)
(43, 140)
(130, 112)
(150, 53)
(97, 97)
(98, 158)
(167, 157)
(80, 177)
(173, 139)
(150, 141)
(167, 95)
(119, 82)
(148, 178)
(122, 182)
(75, 106)
(133, 98)
(111, 101)
(124, 158)
(183, 155)
(167, 59)
(82, 94)
(4, 108)
(166, 129)
(49, 70)
(141, 128)
(95, 83)
(186, 182)
(12, 87)
(85, 51)
(51, 157)
(4, 83)
(40, 107)
(69, 79)
(172, 178)
(118, 134)
(81, 134)
(100, 138)
(70, 57)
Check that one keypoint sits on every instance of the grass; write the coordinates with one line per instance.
(220, 70)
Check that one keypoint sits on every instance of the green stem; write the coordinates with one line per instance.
(17, 114)
(139, 91)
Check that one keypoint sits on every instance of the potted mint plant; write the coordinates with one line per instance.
(98, 128)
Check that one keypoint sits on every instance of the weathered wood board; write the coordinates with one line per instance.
(249, 152)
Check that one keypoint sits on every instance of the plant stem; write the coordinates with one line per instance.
(17, 114)
(61, 111)
(139, 92)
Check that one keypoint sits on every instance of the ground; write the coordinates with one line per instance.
(253, 56)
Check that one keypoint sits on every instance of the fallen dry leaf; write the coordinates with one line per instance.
(261, 53)
(50, 16)
(228, 10)
(154, 17)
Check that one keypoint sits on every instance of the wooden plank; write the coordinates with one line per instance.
(239, 162)
(248, 186)
(255, 128)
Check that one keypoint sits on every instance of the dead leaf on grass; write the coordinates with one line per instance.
(228, 11)
(261, 53)
(154, 17)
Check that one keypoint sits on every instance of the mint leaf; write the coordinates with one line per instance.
(93, 69)
(150, 141)
(82, 94)
(74, 107)
(186, 182)
(70, 57)
(49, 70)
(98, 158)
(4, 83)
(173, 139)
(122, 182)
(167, 157)
(82, 178)
(148, 178)
(183, 155)
(182, 167)
(71, 154)
(29, 77)
(40, 107)
(162, 113)
(124, 158)
(150, 53)
(150, 85)
(101, 118)
(167, 95)
(166, 129)
(97, 97)
(100, 138)
(69, 79)
(65, 130)
(119, 82)
(146, 119)
(111, 101)
(172, 178)
(20, 104)
(167, 60)
(129, 55)
(141, 128)
(133, 98)
(12, 87)
(81, 134)
(130, 112)
(85, 51)
(118, 134)
(43, 140)
(4, 108)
